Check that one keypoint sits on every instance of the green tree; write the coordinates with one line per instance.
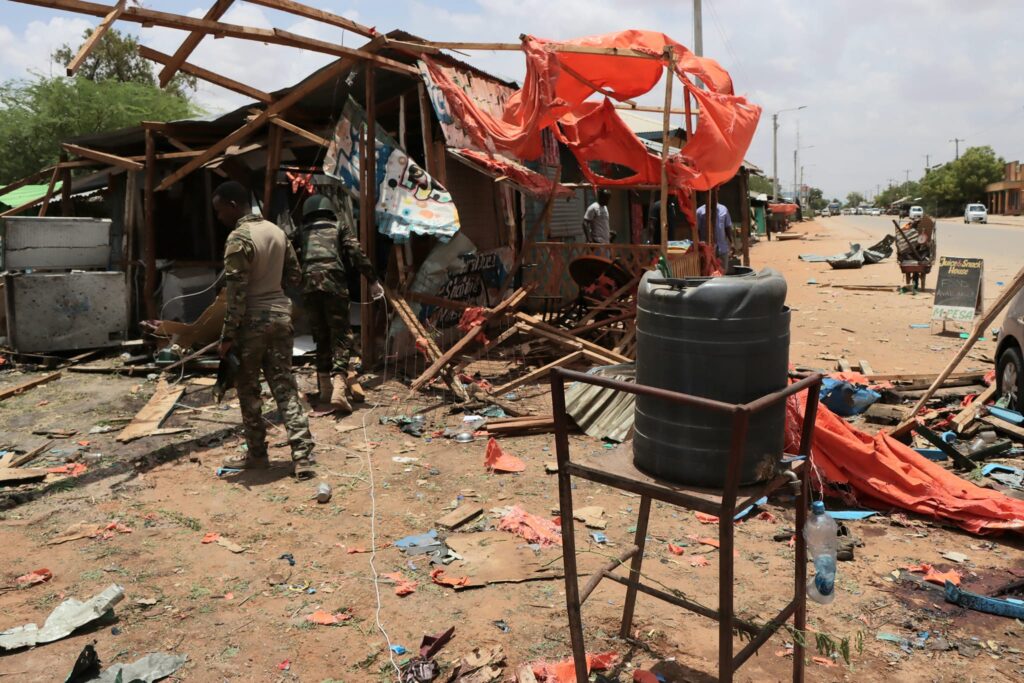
(116, 58)
(816, 198)
(889, 195)
(854, 199)
(35, 116)
(760, 184)
(947, 189)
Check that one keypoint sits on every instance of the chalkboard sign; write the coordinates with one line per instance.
(958, 292)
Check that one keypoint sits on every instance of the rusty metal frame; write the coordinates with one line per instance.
(686, 497)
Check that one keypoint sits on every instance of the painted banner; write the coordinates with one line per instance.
(487, 94)
(409, 200)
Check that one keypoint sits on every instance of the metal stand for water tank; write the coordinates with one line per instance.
(616, 469)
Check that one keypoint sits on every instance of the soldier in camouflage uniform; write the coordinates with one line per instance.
(258, 262)
(326, 241)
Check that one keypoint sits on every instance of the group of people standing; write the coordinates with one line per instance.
(259, 263)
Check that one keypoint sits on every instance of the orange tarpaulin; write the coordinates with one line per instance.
(785, 209)
(554, 96)
(884, 473)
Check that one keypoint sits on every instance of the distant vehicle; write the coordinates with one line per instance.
(1009, 356)
(822, 212)
(916, 212)
(975, 213)
(874, 211)
(834, 208)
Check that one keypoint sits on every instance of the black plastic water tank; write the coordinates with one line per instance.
(723, 338)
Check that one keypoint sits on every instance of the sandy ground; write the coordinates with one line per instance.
(219, 608)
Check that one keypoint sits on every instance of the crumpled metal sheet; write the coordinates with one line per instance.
(603, 413)
(64, 620)
(150, 668)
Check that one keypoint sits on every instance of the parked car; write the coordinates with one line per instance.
(916, 212)
(1010, 356)
(874, 211)
(975, 213)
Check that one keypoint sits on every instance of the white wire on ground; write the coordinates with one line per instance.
(373, 503)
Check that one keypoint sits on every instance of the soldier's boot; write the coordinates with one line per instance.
(323, 382)
(304, 466)
(247, 461)
(338, 399)
(355, 390)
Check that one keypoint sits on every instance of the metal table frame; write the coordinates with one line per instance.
(721, 503)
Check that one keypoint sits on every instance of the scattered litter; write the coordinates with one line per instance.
(77, 531)
(851, 515)
(64, 620)
(86, 667)
(286, 665)
(954, 556)
(210, 537)
(322, 618)
(419, 543)
(323, 493)
(551, 468)
(565, 670)
(404, 459)
(699, 561)
(599, 537)
(592, 516)
(438, 577)
(150, 668)
(403, 586)
(72, 469)
(502, 625)
(33, 577)
(289, 557)
(398, 649)
(227, 471)
(479, 666)
(705, 518)
(676, 549)
(498, 460)
(214, 537)
(933, 576)
(531, 527)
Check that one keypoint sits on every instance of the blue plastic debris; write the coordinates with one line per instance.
(222, 471)
(920, 326)
(933, 454)
(418, 540)
(398, 649)
(1011, 416)
(1009, 607)
(289, 557)
(746, 511)
(845, 398)
(599, 537)
(949, 436)
(851, 514)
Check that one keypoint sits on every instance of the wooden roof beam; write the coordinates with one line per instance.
(301, 132)
(318, 79)
(93, 39)
(206, 75)
(27, 180)
(276, 36)
(190, 43)
(317, 15)
(96, 155)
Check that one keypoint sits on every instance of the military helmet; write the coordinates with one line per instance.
(316, 204)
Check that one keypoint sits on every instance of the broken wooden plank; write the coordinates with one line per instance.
(843, 365)
(538, 373)
(885, 413)
(865, 368)
(459, 516)
(103, 157)
(486, 348)
(561, 337)
(960, 460)
(206, 75)
(148, 420)
(12, 476)
(30, 384)
(192, 356)
(24, 458)
(970, 411)
(95, 37)
(416, 329)
(947, 392)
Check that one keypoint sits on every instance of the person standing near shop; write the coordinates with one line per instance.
(258, 263)
(723, 231)
(596, 222)
(326, 241)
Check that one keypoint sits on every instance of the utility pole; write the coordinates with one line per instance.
(801, 188)
(698, 29)
(927, 163)
(957, 141)
(907, 172)
(775, 148)
(796, 153)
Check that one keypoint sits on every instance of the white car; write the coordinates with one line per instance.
(975, 213)
(916, 212)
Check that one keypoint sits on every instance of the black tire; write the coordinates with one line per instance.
(1010, 369)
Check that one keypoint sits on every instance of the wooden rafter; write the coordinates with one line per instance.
(318, 15)
(93, 39)
(96, 155)
(301, 132)
(11, 187)
(206, 75)
(275, 36)
(190, 43)
(312, 83)
(49, 191)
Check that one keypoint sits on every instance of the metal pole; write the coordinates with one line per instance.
(670, 75)
(149, 216)
(698, 29)
(796, 154)
(775, 157)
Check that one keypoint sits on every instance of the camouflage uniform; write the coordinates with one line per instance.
(262, 340)
(323, 246)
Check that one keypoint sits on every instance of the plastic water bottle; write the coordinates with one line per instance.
(820, 533)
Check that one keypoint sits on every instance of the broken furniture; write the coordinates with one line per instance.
(615, 469)
(915, 249)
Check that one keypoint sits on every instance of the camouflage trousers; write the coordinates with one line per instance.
(332, 332)
(265, 344)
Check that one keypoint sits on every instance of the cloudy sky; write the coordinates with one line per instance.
(884, 82)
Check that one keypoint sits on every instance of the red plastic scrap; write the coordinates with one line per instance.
(403, 586)
(498, 460)
(438, 577)
(766, 516)
(33, 577)
(675, 549)
(474, 317)
(565, 670)
(640, 676)
(705, 518)
(324, 618)
(531, 527)
(72, 469)
(210, 537)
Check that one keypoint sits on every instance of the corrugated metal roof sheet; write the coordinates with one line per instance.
(603, 413)
(27, 193)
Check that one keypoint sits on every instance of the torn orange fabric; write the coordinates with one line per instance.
(884, 473)
(932, 575)
(565, 670)
(555, 96)
(676, 549)
(474, 316)
(499, 461)
(531, 527)
(705, 518)
(403, 586)
(438, 577)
